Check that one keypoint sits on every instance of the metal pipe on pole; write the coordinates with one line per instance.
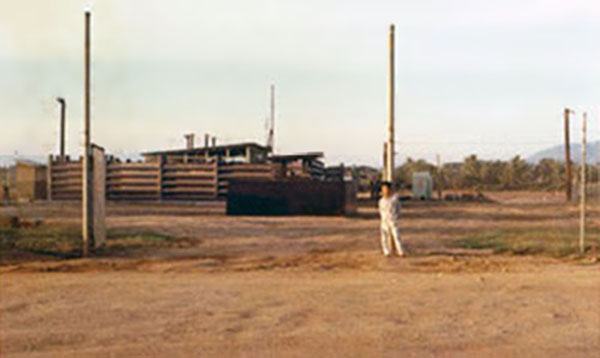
(63, 106)
(582, 188)
(391, 109)
(86, 198)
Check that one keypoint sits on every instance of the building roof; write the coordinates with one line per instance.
(202, 150)
(296, 156)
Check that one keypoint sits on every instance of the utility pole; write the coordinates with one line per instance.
(582, 181)
(86, 198)
(385, 151)
(568, 180)
(63, 106)
(391, 109)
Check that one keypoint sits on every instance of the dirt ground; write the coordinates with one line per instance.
(305, 286)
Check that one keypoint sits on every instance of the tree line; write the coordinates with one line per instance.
(476, 174)
(514, 174)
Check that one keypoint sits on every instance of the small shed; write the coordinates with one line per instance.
(4, 185)
(31, 181)
(422, 185)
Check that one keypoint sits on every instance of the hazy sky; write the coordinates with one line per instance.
(488, 77)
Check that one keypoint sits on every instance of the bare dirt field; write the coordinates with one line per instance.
(484, 279)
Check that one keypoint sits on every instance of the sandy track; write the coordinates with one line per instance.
(305, 286)
(552, 312)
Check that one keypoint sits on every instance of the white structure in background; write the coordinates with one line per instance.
(422, 185)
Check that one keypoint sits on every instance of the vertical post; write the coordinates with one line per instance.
(271, 137)
(439, 176)
(384, 171)
(159, 168)
(391, 109)
(63, 106)
(216, 178)
(568, 180)
(248, 154)
(189, 141)
(86, 162)
(582, 181)
(49, 179)
(98, 159)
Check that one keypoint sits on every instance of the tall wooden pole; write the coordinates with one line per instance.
(391, 110)
(385, 171)
(582, 181)
(568, 180)
(86, 165)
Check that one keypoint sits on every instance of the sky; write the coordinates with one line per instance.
(472, 77)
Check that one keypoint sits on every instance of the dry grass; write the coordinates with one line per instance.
(536, 241)
(64, 242)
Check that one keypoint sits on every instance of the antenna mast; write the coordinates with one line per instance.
(271, 125)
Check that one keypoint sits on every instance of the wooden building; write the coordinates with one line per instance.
(186, 174)
(301, 165)
(233, 153)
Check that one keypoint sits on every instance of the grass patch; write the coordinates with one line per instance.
(59, 239)
(65, 241)
(544, 241)
(149, 237)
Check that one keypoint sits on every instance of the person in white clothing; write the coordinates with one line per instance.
(389, 210)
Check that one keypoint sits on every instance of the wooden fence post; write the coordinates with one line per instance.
(216, 176)
(582, 182)
(160, 177)
(49, 179)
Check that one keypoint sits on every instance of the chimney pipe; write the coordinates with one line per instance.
(63, 105)
(214, 141)
(189, 141)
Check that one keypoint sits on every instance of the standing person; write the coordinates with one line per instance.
(389, 210)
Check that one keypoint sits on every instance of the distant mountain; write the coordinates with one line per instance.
(557, 152)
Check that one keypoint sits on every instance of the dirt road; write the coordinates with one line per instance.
(297, 287)
(552, 311)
